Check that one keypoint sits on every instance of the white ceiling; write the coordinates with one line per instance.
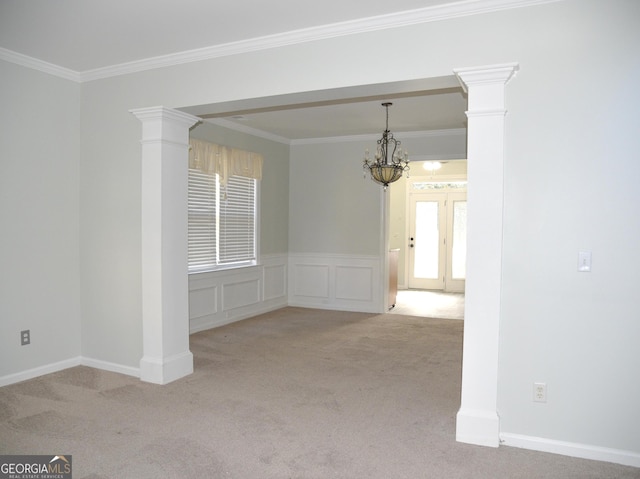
(89, 35)
(86, 34)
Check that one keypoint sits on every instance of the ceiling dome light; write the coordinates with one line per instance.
(432, 165)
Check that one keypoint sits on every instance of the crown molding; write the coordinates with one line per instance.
(403, 135)
(248, 130)
(39, 65)
(381, 22)
(369, 24)
(332, 139)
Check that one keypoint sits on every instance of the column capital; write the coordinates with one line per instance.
(492, 74)
(162, 112)
(159, 122)
(485, 86)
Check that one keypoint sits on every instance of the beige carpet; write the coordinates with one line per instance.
(297, 393)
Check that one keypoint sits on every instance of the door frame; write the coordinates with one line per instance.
(408, 226)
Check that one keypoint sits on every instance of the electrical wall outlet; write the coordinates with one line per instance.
(25, 337)
(540, 392)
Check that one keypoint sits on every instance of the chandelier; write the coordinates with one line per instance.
(390, 160)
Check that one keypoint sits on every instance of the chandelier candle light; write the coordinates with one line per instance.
(390, 159)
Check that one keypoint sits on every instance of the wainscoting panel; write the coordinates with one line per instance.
(275, 281)
(354, 283)
(241, 293)
(221, 297)
(203, 301)
(340, 282)
(311, 280)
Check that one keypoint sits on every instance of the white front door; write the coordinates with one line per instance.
(426, 241)
(437, 241)
(456, 242)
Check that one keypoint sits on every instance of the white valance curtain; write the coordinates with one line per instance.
(211, 158)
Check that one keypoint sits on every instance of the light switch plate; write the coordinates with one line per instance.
(584, 261)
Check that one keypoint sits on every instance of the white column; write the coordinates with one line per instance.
(477, 419)
(165, 287)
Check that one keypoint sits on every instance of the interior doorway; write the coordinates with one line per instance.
(429, 230)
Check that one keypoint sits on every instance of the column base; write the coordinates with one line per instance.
(166, 370)
(478, 427)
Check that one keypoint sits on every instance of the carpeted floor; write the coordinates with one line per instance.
(297, 393)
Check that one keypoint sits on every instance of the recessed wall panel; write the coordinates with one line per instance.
(275, 281)
(311, 280)
(203, 302)
(354, 283)
(244, 293)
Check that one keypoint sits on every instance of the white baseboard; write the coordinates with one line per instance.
(112, 367)
(66, 364)
(584, 451)
(40, 371)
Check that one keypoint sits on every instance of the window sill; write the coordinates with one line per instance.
(229, 267)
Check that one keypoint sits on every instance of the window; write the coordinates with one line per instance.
(222, 221)
(222, 206)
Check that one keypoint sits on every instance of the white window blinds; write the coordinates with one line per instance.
(237, 222)
(202, 222)
(222, 219)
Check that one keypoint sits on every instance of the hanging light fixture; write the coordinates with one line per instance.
(390, 160)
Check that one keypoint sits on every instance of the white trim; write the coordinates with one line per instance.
(477, 420)
(584, 451)
(478, 426)
(337, 281)
(402, 135)
(166, 369)
(165, 317)
(40, 371)
(337, 139)
(266, 281)
(248, 130)
(66, 364)
(109, 366)
(440, 157)
(39, 65)
(381, 22)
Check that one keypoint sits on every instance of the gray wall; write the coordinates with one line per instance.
(333, 209)
(39, 243)
(571, 118)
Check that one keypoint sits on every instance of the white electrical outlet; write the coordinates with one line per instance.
(540, 392)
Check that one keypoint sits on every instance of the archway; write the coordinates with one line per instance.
(165, 322)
